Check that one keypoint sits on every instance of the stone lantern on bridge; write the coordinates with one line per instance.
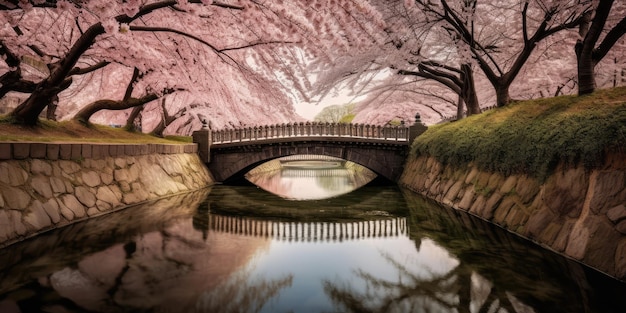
(417, 128)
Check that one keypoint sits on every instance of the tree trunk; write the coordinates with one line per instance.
(51, 113)
(468, 90)
(27, 112)
(586, 75)
(459, 108)
(502, 95)
(134, 114)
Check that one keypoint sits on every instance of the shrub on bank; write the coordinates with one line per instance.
(533, 136)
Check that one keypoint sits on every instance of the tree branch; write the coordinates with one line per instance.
(82, 71)
(609, 40)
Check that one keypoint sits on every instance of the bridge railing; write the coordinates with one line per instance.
(311, 129)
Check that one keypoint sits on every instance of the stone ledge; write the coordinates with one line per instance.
(75, 151)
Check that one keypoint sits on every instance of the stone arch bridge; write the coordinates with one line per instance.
(231, 153)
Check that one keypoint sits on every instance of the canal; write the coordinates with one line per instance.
(242, 249)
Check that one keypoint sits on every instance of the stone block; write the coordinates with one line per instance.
(65, 151)
(113, 150)
(38, 150)
(5, 151)
(21, 150)
(129, 150)
(37, 218)
(617, 214)
(93, 211)
(52, 151)
(57, 185)
(40, 167)
(151, 148)
(96, 152)
(121, 150)
(86, 151)
(467, 200)
(91, 178)
(74, 205)
(77, 152)
(144, 149)
(85, 196)
(15, 198)
(42, 186)
(607, 187)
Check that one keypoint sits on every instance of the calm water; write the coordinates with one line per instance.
(241, 249)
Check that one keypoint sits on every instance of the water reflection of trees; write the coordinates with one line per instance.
(458, 290)
(170, 264)
(519, 274)
(239, 294)
(411, 292)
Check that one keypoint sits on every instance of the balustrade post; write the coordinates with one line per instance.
(256, 133)
(202, 138)
(301, 128)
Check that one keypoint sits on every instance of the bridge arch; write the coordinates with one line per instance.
(230, 163)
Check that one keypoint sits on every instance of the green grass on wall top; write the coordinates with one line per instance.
(533, 136)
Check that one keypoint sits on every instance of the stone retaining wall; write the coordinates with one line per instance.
(576, 212)
(48, 185)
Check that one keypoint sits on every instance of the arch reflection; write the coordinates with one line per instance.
(309, 177)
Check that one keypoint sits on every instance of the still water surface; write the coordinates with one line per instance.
(241, 249)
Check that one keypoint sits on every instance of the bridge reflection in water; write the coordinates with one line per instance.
(311, 231)
(309, 176)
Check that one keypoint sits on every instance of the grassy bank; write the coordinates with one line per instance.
(533, 136)
(70, 131)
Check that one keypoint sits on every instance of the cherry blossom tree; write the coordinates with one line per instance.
(609, 21)
(244, 62)
(501, 37)
(148, 36)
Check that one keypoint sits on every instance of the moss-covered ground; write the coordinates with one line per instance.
(71, 131)
(533, 136)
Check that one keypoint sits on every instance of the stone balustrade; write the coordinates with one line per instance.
(310, 129)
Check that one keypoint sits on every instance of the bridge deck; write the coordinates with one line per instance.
(310, 138)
